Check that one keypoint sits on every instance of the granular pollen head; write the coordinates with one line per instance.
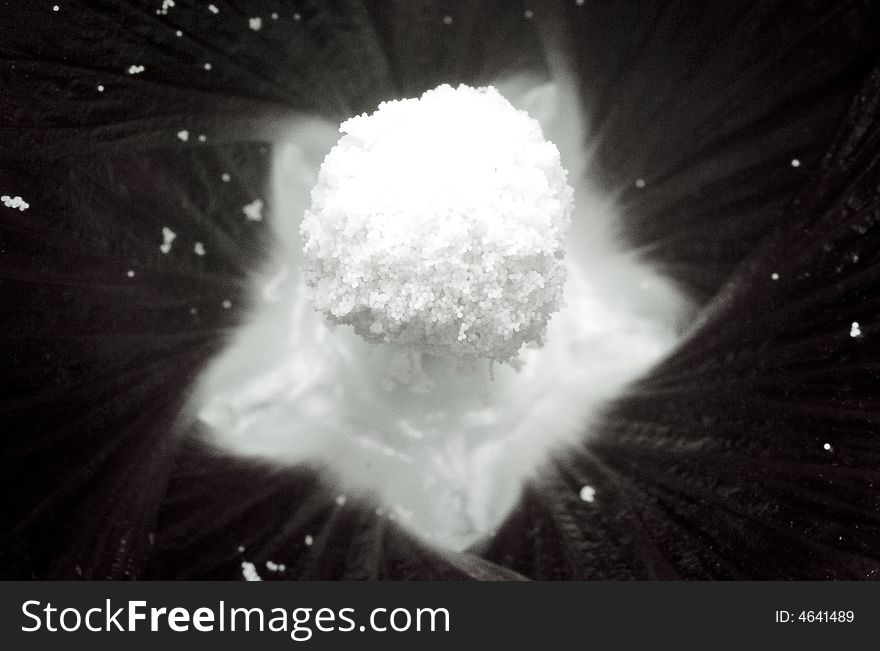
(439, 223)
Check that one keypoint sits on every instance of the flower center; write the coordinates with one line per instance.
(439, 223)
(434, 240)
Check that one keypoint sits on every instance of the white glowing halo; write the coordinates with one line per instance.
(444, 448)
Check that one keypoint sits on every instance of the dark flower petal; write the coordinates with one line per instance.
(751, 452)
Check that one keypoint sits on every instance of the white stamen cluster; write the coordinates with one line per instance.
(439, 222)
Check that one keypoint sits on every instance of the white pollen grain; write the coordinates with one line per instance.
(15, 202)
(249, 571)
(183, 135)
(254, 211)
(255, 24)
(199, 249)
(588, 494)
(168, 237)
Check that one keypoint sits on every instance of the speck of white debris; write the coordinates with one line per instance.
(199, 248)
(529, 14)
(207, 66)
(225, 177)
(249, 571)
(296, 16)
(213, 9)
(795, 162)
(309, 541)
(640, 183)
(274, 16)
(827, 446)
(774, 276)
(588, 494)
(579, 3)
(254, 211)
(855, 329)
(439, 223)
(135, 70)
(447, 20)
(178, 33)
(130, 273)
(55, 8)
(241, 549)
(341, 500)
(227, 304)
(183, 135)
(255, 23)
(275, 567)
(166, 5)
(203, 137)
(167, 238)
(193, 310)
(100, 88)
(15, 202)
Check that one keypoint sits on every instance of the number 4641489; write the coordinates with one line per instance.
(810, 616)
